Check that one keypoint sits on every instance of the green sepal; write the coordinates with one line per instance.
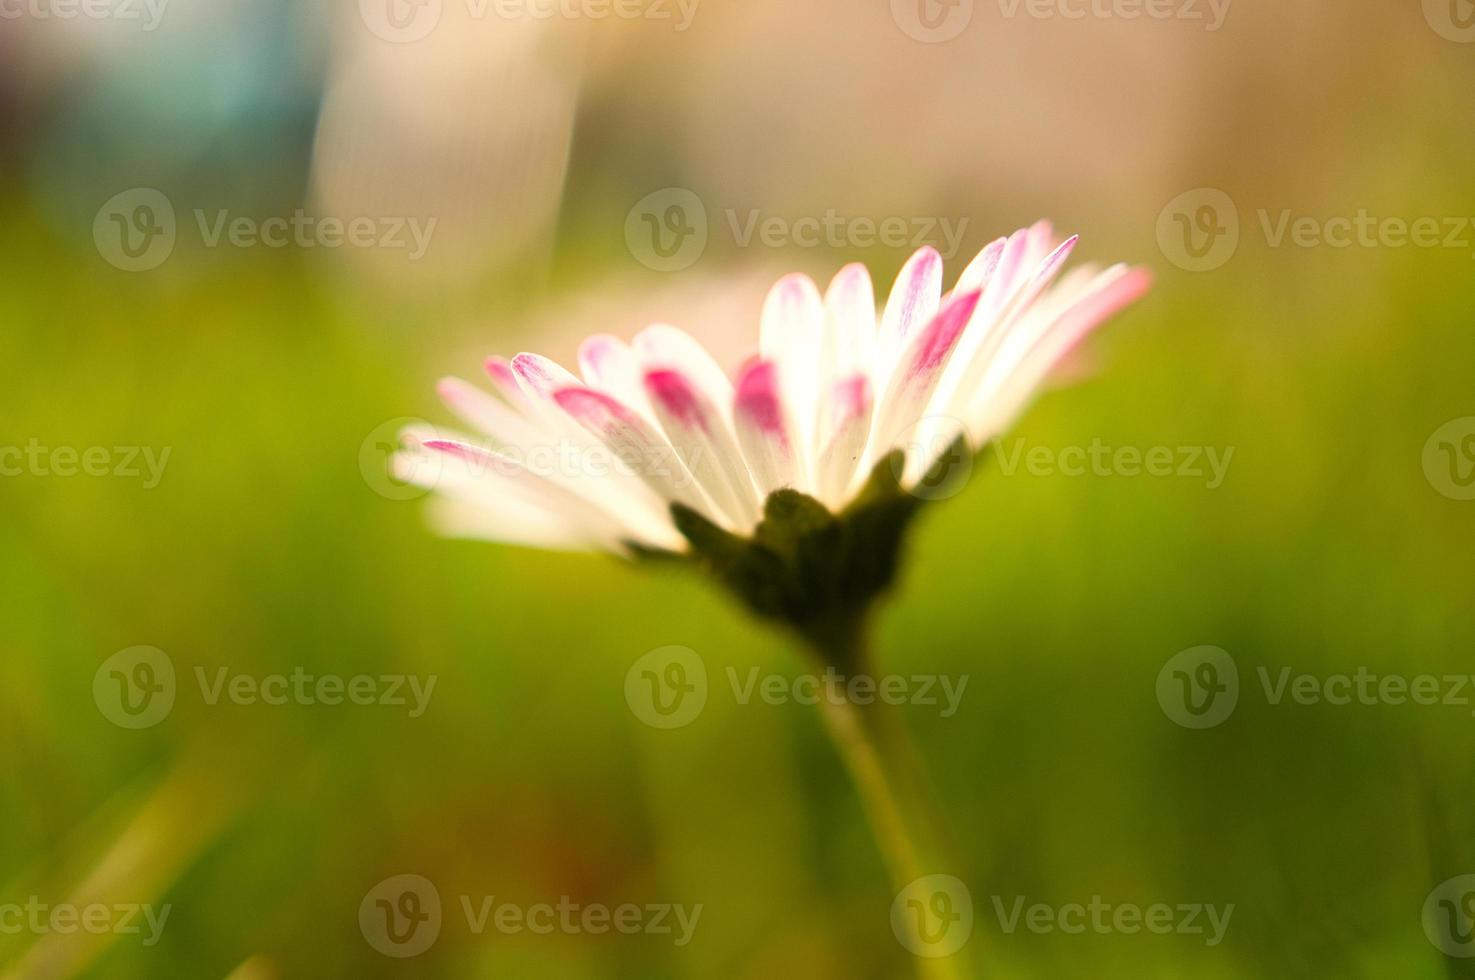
(806, 567)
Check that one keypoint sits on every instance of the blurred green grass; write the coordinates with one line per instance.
(264, 549)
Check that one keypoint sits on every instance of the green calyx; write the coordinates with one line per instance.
(815, 571)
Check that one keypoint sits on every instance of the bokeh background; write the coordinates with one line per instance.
(1340, 537)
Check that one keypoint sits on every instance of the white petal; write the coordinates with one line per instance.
(791, 335)
(765, 428)
(608, 364)
(539, 376)
(539, 379)
(912, 305)
(1006, 277)
(519, 508)
(918, 372)
(849, 342)
(990, 328)
(981, 269)
(474, 471)
(839, 461)
(546, 443)
(504, 380)
(662, 347)
(1040, 240)
(1016, 374)
(850, 324)
(1044, 273)
(638, 444)
(486, 413)
(510, 522)
(696, 427)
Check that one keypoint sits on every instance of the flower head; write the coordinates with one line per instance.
(653, 448)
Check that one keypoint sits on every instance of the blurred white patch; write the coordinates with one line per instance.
(468, 127)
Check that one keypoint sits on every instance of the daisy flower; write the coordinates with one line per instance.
(792, 482)
(836, 386)
(833, 428)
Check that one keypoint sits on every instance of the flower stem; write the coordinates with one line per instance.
(887, 773)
